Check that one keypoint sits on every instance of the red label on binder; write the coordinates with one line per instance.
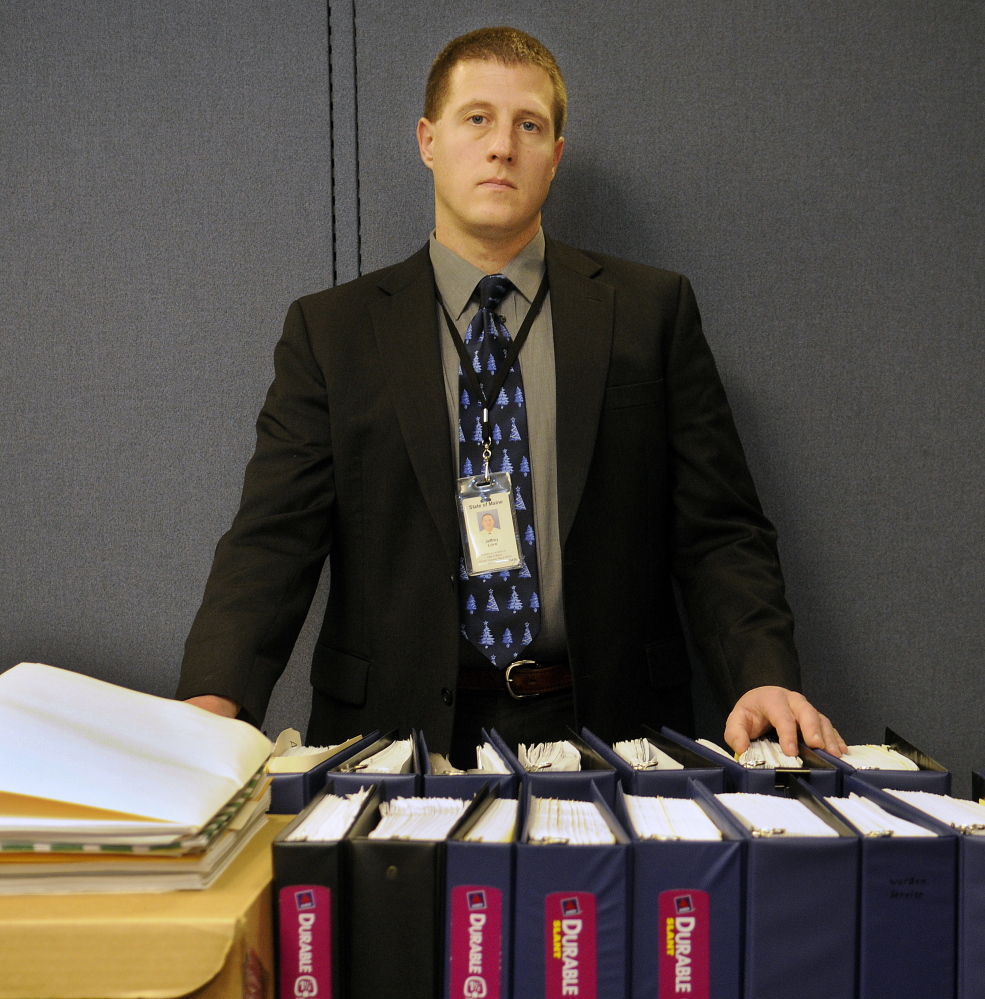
(570, 945)
(476, 941)
(684, 944)
(305, 941)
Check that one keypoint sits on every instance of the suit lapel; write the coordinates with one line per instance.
(582, 317)
(405, 324)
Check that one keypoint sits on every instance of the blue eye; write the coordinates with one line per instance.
(477, 119)
(529, 126)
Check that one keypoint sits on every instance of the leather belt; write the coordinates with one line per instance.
(523, 678)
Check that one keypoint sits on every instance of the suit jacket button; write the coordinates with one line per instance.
(447, 696)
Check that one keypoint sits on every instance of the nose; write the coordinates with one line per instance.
(503, 143)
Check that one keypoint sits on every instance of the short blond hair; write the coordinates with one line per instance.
(509, 46)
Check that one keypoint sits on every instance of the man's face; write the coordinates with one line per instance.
(488, 523)
(492, 150)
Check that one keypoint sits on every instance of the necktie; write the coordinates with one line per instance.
(500, 611)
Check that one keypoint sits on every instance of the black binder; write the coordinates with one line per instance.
(396, 914)
(311, 903)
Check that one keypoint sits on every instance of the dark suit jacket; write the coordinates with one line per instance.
(353, 463)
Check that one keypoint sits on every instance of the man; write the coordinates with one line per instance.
(612, 416)
(489, 524)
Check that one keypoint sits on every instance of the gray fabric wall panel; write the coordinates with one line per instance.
(165, 172)
(817, 171)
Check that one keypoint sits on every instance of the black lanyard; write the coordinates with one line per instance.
(500, 380)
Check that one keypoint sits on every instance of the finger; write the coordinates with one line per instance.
(833, 741)
(743, 725)
(811, 725)
(786, 732)
(738, 731)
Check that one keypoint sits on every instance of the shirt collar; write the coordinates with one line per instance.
(456, 278)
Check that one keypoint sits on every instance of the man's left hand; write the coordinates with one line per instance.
(785, 710)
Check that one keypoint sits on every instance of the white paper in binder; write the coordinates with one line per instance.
(670, 819)
(641, 754)
(418, 818)
(441, 766)
(767, 753)
(497, 824)
(554, 756)
(397, 758)
(708, 744)
(872, 820)
(488, 761)
(576, 823)
(771, 815)
(877, 758)
(966, 817)
(330, 819)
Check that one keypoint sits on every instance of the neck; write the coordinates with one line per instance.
(489, 254)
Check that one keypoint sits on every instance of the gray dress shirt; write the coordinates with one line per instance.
(457, 280)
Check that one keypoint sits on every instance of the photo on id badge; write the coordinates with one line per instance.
(491, 534)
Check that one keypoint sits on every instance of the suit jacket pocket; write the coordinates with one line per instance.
(634, 394)
(668, 663)
(340, 675)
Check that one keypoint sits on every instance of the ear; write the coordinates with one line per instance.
(425, 141)
(558, 150)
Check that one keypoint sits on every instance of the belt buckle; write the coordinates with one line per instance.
(509, 687)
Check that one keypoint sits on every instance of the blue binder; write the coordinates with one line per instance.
(290, 793)
(822, 776)
(347, 779)
(971, 910)
(907, 910)
(666, 783)
(572, 908)
(930, 777)
(572, 786)
(478, 911)
(689, 888)
(801, 910)
(459, 785)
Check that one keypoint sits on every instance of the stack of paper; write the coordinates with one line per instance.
(877, 758)
(558, 756)
(107, 789)
(872, 820)
(641, 754)
(576, 823)
(967, 817)
(670, 818)
(418, 818)
(770, 815)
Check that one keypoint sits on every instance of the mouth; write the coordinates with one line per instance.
(498, 184)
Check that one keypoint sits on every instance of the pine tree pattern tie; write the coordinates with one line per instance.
(500, 611)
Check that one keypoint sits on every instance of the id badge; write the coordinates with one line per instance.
(488, 524)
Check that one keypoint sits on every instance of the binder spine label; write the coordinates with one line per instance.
(305, 941)
(570, 945)
(476, 942)
(684, 943)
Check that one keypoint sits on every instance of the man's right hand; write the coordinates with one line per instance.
(217, 705)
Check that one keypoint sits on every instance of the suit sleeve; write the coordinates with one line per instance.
(267, 566)
(725, 551)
